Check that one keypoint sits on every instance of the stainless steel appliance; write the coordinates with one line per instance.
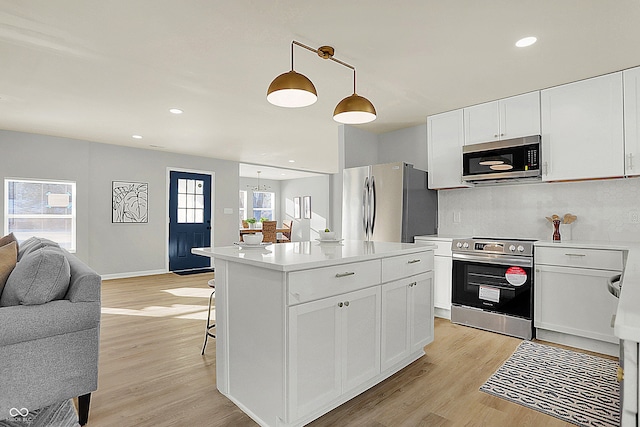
(492, 285)
(499, 160)
(389, 202)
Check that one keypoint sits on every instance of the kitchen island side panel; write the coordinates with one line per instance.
(256, 340)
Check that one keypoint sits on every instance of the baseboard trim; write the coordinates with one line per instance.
(132, 274)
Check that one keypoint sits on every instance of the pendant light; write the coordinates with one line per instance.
(292, 89)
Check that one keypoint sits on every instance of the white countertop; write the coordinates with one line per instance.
(304, 255)
(441, 237)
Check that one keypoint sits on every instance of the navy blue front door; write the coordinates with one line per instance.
(189, 219)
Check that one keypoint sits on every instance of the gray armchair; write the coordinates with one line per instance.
(49, 351)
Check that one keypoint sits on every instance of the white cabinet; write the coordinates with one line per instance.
(571, 300)
(442, 274)
(582, 129)
(407, 319)
(507, 118)
(334, 346)
(632, 121)
(445, 138)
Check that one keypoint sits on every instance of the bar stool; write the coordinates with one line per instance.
(212, 285)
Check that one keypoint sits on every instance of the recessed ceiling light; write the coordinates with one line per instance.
(136, 136)
(283, 174)
(527, 41)
(292, 161)
(176, 111)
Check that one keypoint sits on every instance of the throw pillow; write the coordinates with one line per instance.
(8, 259)
(33, 244)
(8, 239)
(38, 278)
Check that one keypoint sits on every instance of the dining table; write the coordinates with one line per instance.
(244, 231)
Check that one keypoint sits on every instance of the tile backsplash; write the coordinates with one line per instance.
(607, 210)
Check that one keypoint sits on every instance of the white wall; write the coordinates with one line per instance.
(603, 209)
(318, 189)
(407, 145)
(117, 249)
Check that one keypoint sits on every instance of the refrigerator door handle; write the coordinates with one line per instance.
(365, 207)
(372, 205)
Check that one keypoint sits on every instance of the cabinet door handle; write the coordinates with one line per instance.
(348, 273)
(630, 161)
(346, 303)
(544, 168)
(340, 304)
(575, 254)
(411, 285)
(413, 261)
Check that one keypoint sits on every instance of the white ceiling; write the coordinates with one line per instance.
(105, 70)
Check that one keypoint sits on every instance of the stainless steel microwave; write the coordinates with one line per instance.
(506, 159)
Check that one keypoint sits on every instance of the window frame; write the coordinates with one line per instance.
(73, 216)
(259, 208)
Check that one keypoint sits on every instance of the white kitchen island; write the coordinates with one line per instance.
(303, 327)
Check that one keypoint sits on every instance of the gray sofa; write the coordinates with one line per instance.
(48, 349)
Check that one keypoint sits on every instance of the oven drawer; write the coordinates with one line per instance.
(406, 265)
(317, 283)
(601, 259)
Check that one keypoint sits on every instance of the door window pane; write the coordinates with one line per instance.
(190, 201)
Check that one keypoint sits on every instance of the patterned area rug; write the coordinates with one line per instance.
(577, 388)
(59, 415)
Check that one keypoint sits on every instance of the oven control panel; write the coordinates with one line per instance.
(495, 246)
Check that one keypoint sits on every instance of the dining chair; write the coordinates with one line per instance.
(285, 236)
(269, 231)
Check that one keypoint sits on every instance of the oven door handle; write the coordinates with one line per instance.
(501, 260)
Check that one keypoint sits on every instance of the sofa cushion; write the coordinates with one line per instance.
(8, 259)
(39, 277)
(33, 244)
(5, 240)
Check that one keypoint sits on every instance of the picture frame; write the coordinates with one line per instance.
(130, 202)
(296, 208)
(306, 207)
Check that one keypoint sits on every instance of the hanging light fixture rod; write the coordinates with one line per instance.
(324, 52)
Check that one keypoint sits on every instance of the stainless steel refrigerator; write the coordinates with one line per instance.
(387, 203)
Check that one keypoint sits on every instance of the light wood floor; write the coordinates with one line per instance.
(151, 372)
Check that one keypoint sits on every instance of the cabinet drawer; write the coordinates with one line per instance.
(309, 285)
(406, 265)
(601, 259)
(442, 247)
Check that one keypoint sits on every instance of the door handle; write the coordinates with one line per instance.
(365, 207)
(373, 198)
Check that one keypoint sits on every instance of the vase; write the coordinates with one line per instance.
(556, 230)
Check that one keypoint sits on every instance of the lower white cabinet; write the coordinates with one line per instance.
(572, 305)
(334, 346)
(407, 319)
(442, 270)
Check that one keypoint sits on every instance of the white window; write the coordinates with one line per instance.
(263, 205)
(190, 201)
(242, 210)
(41, 208)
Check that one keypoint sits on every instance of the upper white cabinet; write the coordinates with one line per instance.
(632, 121)
(445, 138)
(582, 129)
(503, 119)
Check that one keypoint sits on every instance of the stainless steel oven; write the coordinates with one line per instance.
(492, 286)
